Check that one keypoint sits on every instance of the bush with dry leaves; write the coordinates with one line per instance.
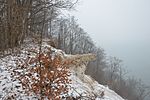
(46, 75)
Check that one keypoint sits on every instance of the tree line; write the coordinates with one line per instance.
(20, 19)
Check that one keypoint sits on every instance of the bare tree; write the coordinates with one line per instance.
(143, 91)
(20, 18)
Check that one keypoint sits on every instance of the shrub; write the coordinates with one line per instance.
(46, 75)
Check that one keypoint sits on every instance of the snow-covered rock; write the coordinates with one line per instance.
(82, 85)
(89, 88)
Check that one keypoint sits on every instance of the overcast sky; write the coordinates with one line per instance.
(122, 28)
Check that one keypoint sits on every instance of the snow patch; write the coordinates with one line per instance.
(82, 85)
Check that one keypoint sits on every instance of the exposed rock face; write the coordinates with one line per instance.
(84, 84)
(79, 62)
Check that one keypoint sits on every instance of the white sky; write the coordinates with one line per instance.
(122, 28)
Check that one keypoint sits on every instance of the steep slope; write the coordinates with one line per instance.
(88, 88)
(83, 86)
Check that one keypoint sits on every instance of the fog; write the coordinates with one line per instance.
(122, 28)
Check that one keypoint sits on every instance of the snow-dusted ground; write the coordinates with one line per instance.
(89, 88)
(85, 87)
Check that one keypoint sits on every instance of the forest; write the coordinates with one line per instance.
(44, 19)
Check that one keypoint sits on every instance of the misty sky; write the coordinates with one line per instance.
(122, 28)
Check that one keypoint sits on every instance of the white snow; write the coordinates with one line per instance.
(84, 86)
(89, 88)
